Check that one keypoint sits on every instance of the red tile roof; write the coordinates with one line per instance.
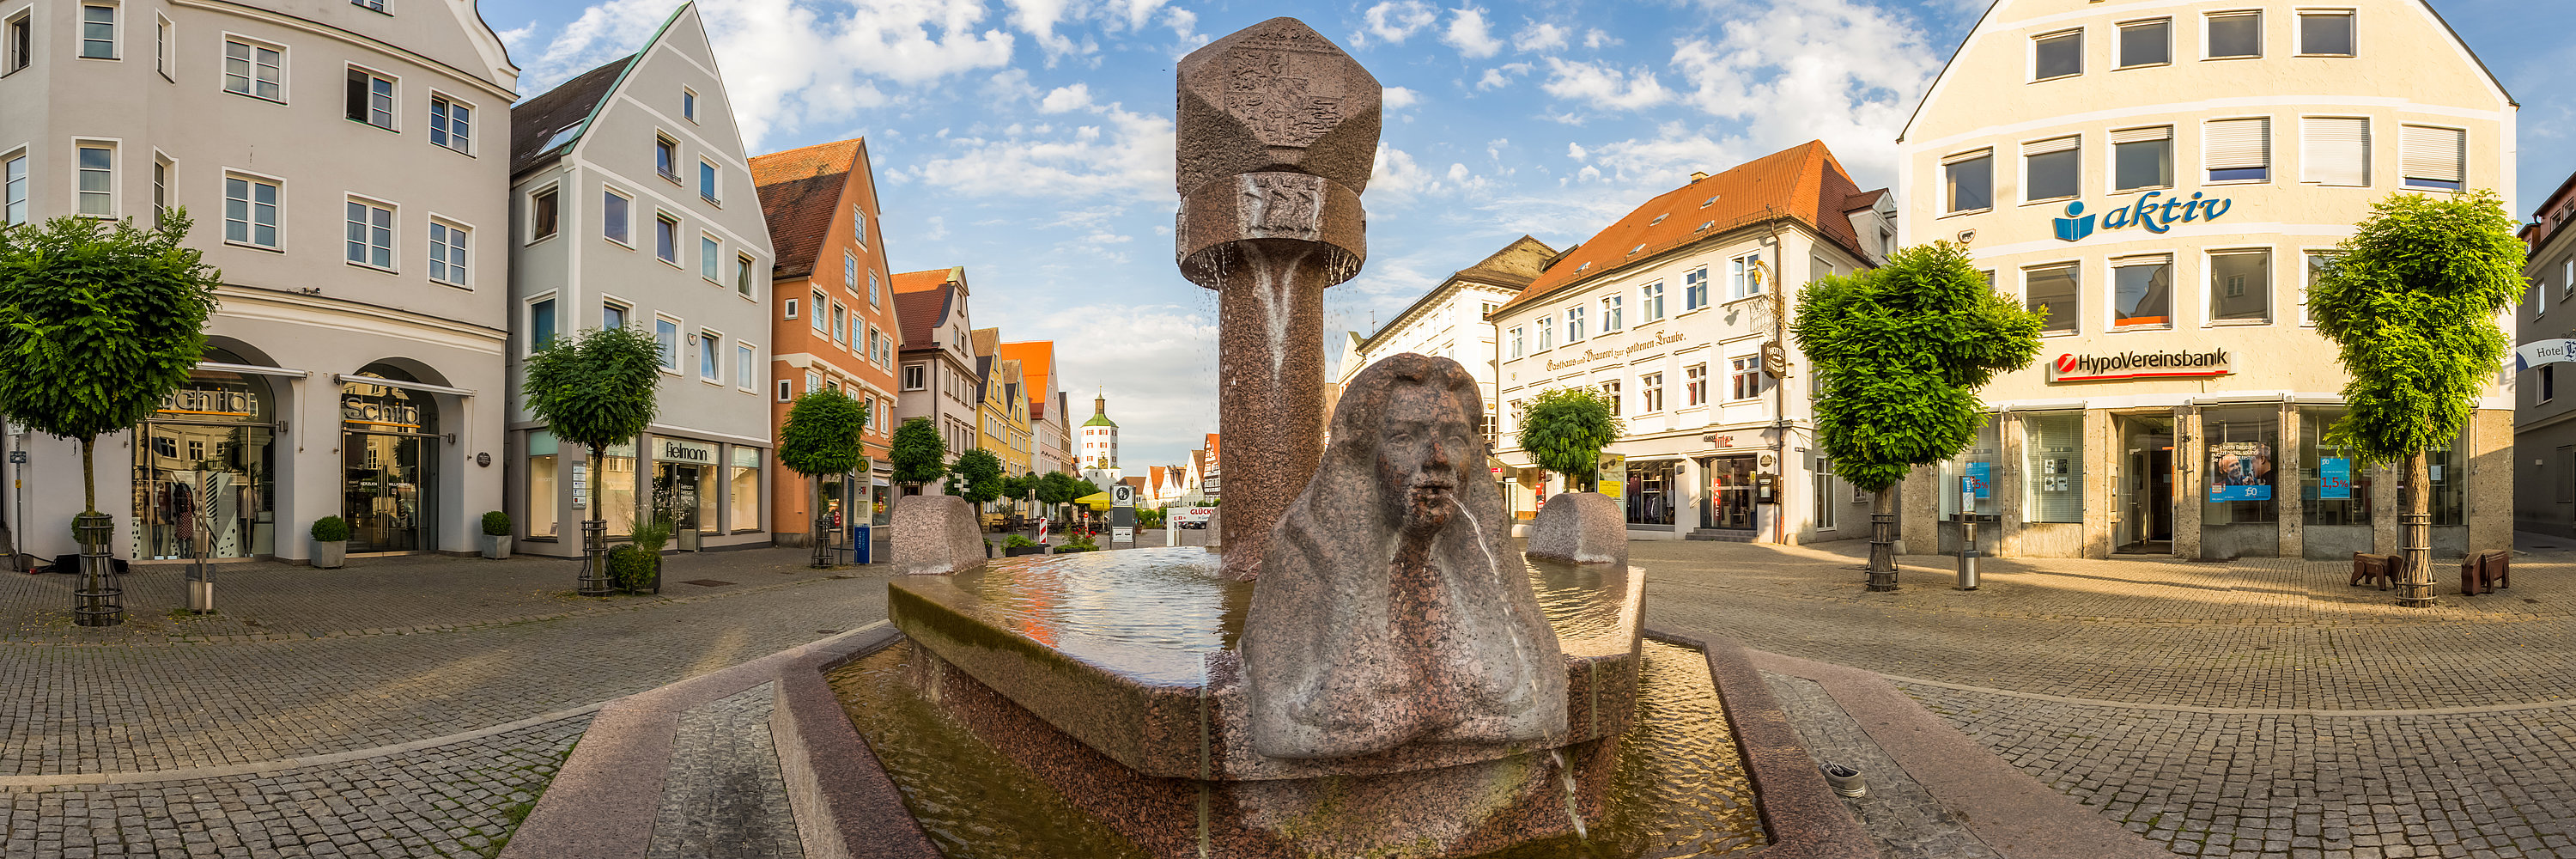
(921, 301)
(1803, 182)
(800, 194)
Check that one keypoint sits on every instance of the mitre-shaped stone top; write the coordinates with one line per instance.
(1275, 96)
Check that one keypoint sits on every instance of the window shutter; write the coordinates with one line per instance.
(2062, 144)
(2239, 143)
(2435, 153)
(2335, 151)
(2142, 135)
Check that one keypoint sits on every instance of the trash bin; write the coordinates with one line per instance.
(860, 548)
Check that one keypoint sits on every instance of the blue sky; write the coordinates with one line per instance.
(1030, 140)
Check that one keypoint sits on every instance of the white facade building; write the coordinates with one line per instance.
(1449, 321)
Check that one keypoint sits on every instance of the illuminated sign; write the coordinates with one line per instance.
(2074, 367)
(2147, 212)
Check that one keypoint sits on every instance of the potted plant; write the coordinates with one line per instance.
(496, 535)
(1017, 545)
(1079, 543)
(330, 542)
(636, 567)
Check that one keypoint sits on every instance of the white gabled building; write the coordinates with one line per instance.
(1449, 321)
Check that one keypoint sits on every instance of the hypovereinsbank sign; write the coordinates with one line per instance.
(2088, 367)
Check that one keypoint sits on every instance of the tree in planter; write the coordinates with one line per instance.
(2411, 300)
(1901, 351)
(595, 388)
(1565, 429)
(98, 322)
(822, 437)
(976, 477)
(919, 455)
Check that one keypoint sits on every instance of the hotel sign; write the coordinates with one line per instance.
(2147, 212)
(1659, 339)
(2086, 367)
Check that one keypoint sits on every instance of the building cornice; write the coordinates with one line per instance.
(252, 302)
(1755, 228)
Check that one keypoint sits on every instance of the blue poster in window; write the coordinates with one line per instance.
(2334, 479)
(1977, 474)
(2240, 471)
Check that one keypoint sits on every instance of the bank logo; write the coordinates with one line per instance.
(2072, 228)
(2066, 363)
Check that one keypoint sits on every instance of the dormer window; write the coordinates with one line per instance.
(1711, 201)
(1658, 219)
(1583, 268)
(1704, 225)
(1640, 246)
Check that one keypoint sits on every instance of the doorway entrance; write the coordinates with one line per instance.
(2146, 503)
(389, 464)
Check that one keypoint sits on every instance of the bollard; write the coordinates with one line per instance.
(1967, 552)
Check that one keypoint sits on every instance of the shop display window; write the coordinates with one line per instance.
(2333, 487)
(745, 489)
(543, 518)
(1980, 463)
(2242, 468)
(204, 468)
(2053, 467)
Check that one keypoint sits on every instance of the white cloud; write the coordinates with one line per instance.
(1062, 99)
(1399, 98)
(1596, 83)
(1469, 33)
(938, 228)
(1785, 75)
(1394, 174)
(517, 40)
(1394, 20)
(1540, 36)
(1039, 18)
(1501, 76)
(1596, 39)
(1155, 362)
(1126, 155)
(1665, 159)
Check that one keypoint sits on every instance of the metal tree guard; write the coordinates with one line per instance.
(594, 563)
(100, 601)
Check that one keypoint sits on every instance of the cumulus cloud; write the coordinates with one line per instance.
(1399, 98)
(1154, 361)
(1392, 21)
(1393, 173)
(1501, 76)
(1124, 155)
(1470, 34)
(1784, 74)
(1603, 85)
(1068, 98)
(1541, 36)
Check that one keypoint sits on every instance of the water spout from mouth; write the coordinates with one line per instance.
(1573, 810)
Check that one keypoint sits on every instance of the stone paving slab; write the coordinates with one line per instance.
(1897, 810)
(724, 796)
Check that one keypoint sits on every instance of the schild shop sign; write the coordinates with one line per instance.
(2087, 367)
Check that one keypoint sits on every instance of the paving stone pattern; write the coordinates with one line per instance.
(1897, 809)
(725, 797)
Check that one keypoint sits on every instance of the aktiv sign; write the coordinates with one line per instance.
(2156, 216)
(2076, 367)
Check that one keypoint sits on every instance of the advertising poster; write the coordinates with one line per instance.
(1613, 474)
(2240, 471)
(2334, 479)
(1978, 482)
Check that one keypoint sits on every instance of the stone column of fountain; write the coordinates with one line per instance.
(1277, 128)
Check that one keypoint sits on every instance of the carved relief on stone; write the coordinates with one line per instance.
(1282, 206)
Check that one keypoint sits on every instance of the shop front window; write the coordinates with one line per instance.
(2240, 514)
(1730, 493)
(1979, 465)
(744, 490)
(2053, 467)
(1650, 496)
(389, 449)
(543, 518)
(2334, 489)
(203, 471)
(616, 487)
(2441, 463)
(683, 483)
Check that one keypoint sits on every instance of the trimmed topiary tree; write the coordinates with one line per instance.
(98, 322)
(1565, 430)
(595, 388)
(2411, 299)
(1901, 351)
(822, 437)
(977, 477)
(919, 455)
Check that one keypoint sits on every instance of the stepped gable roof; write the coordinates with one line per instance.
(556, 118)
(800, 195)
(1803, 183)
(1037, 360)
(921, 301)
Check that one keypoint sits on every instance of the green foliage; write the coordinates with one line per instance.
(977, 476)
(633, 568)
(822, 434)
(1151, 517)
(1902, 350)
(594, 388)
(1078, 543)
(1017, 541)
(1564, 430)
(652, 532)
(1083, 487)
(2412, 300)
(496, 524)
(330, 529)
(919, 455)
(98, 322)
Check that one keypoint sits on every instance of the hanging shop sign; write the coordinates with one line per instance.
(2538, 352)
(2240, 471)
(686, 451)
(2155, 216)
(2087, 367)
(210, 402)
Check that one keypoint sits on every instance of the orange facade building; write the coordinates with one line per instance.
(832, 318)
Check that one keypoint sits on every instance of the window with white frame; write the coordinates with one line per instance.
(1695, 385)
(2240, 285)
(859, 225)
(1610, 393)
(371, 234)
(2234, 35)
(793, 304)
(2238, 150)
(543, 209)
(666, 157)
(813, 381)
(2319, 261)
(1546, 333)
(666, 338)
(1574, 328)
(2057, 55)
(1611, 313)
(1747, 378)
(689, 104)
(2334, 150)
(1650, 393)
(447, 246)
(743, 361)
(19, 36)
(98, 31)
(451, 124)
(13, 188)
(2325, 33)
(710, 259)
(872, 287)
(840, 323)
(1744, 276)
(2146, 43)
(2435, 158)
(1695, 289)
(2057, 291)
(370, 98)
(2052, 169)
(616, 218)
(250, 211)
(707, 180)
(710, 345)
(96, 178)
(666, 237)
(378, 5)
(541, 324)
(1823, 491)
(916, 377)
(2142, 291)
(612, 315)
(742, 269)
(2142, 158)
(822, 321)
(1650, 302)
(1968, 181)
(786, 390)
(1514, 345)
(849, 272)
(254, 69)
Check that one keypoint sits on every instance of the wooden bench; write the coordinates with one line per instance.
(2484, 572)
(2379, 569)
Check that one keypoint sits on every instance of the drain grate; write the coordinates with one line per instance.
(707, 583)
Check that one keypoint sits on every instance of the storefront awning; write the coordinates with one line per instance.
(253, 370)
(423, 387)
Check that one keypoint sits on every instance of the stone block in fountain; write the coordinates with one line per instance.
(936, 535)
(1580, 528)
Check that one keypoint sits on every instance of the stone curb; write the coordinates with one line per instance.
(1800, 813)
(846, 806)
(603, 802)
(2002, 805)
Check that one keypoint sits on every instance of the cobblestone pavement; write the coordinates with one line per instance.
(724, 795)
(2258, 708)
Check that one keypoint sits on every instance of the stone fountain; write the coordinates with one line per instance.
(1368, 668)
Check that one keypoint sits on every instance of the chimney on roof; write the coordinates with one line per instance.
(1697, 175)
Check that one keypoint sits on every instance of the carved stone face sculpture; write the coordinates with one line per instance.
(1391, 609)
